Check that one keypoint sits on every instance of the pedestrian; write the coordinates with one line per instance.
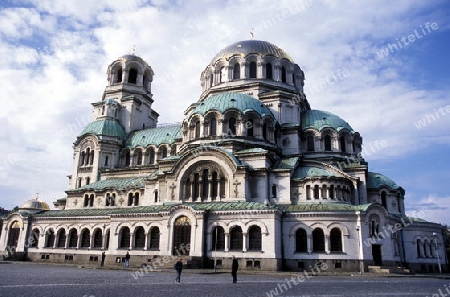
(234, 269)
(178, 267)
(127, 260)
(103, 259)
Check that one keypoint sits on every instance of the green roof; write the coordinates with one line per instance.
(311, 171)
(105, 127)
(255, 150)
(154, 136)
(319, 120)
(305, 207)
(377, 180)
(286, 163)
(225, 101)
(207, 206)
(114, 183)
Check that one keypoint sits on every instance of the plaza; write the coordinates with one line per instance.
(39, 280)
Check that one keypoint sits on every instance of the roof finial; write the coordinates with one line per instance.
(251, 33)
(37, 196)
(133, 49)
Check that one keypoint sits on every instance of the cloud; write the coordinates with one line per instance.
(56, 55)
(432, 208)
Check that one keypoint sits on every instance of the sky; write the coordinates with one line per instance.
(380, 65)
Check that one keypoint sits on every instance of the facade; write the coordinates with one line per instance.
(251, 171)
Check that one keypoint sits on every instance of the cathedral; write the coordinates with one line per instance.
(251, 171)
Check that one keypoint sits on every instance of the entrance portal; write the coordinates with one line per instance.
(181, 236)
(13, 235)
(376, 254)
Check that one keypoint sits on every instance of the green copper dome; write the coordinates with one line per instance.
(105, 127)
(154, 136)
(378, 180)
(319, 120)
(247, 47)
(225, 101)
(311, 171)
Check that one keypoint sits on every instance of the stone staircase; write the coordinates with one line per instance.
(389, 270)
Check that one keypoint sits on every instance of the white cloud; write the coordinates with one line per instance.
(58, 51)
(432, 208)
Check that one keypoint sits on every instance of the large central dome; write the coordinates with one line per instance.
(246, 47)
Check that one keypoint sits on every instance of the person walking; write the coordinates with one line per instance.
(234, 269)
(103, 259)
(127, 260)
(178, 267)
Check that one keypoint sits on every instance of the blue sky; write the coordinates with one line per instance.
(55, 55)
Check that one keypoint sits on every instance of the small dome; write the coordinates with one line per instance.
(225, 101)
(378, 180)
(105, 127)
(247, 47)
(319, 120)
(131, 57)
(311, 171)
(34, 205)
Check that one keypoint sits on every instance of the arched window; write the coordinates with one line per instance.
(88, 155)
(283, 74)
(301, 241)
(231, 126)
(154, 238)
(151, 156)
(196, 188)
(213, 127)
(331, 192)
(91, 158)
(85, 238)
(318, 240)
(310, 143)
(425, 248)
(236, 71)
(211, 81)
(293, 80)
(98, 238)
(197, 129)
(73, 238)
(254, 238)
(336, 240)
(214, 185)
(173, 150)
(35, 237)
(163, 152)
(316, 192)
(236, 238)
(107, 239)
(50, 240)
(145, 82)
(139, 158)
(205, 184)
(139, 237)
(127, 158)
(62, 238)
(130, 199)
(132, 76)
(106, 160)
(119, 75)
(82, 158)
(327, 142)
(419, 248)
(265, 132)
(88, 180)
(124, 238)
(274, 191)
(383, 199)
(249, 127)
(342, 143)
(103, 110)
(252, 69)
(223, 75)
(156, 196)
(218, 239)
(269, 73)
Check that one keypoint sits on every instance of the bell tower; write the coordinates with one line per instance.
(127, 97)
